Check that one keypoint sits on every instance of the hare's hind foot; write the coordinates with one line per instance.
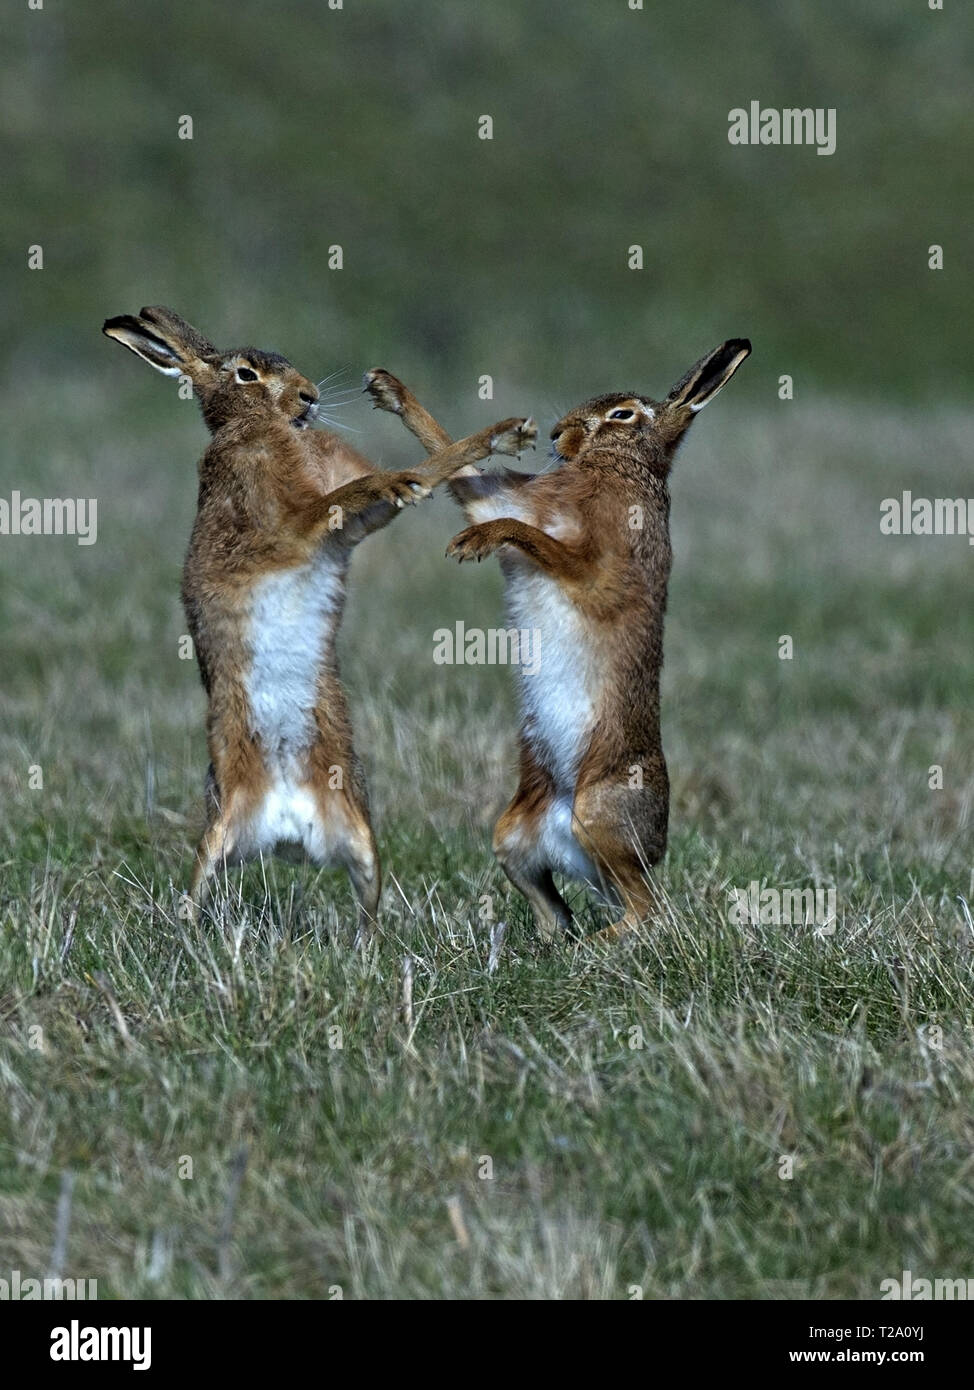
(623, 832)
(520, 851)
(362, 863)
(212, 853)
(625, 932)
(188, 909)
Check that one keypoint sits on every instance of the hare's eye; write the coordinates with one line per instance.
(245, 374)
(622, 415)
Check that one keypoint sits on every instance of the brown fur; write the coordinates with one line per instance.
(279, 502)
(598, 528)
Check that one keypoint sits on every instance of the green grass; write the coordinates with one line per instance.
(634, 1107)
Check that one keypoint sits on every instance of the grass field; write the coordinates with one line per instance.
(573, 1124)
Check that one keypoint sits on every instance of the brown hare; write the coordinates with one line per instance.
(280, 508)
(585, 552)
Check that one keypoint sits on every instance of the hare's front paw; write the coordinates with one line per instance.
(474, 543)
(511, 436)
(401, 489)
(385, 390)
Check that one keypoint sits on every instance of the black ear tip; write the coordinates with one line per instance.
(121, 321)
(740, 345)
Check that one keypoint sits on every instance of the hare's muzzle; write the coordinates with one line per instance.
(307, 415)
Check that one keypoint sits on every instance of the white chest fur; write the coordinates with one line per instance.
(560, 698)
(293, 617)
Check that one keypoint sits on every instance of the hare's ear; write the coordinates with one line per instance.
(703, 381)
(165, 341)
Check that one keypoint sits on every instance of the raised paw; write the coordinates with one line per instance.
(511, 436)
(472, 544)
(385, 390)
(402, 489)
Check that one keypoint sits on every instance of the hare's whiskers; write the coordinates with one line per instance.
(335, 424)
(342, 371)
(338, 400)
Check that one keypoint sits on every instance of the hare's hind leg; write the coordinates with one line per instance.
(212, 852)
(229, 834)
(362, 862)
(344, 836)
(623, 831)
(519, 850)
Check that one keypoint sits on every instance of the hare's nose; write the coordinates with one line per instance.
(307, 397)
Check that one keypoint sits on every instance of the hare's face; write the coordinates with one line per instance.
(606, 420)
(239, 384)
(249, 382)
(638, 429)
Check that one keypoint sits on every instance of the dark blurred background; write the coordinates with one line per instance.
(359, 127)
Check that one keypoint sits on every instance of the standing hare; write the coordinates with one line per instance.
(279, 511)
(586, 556)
